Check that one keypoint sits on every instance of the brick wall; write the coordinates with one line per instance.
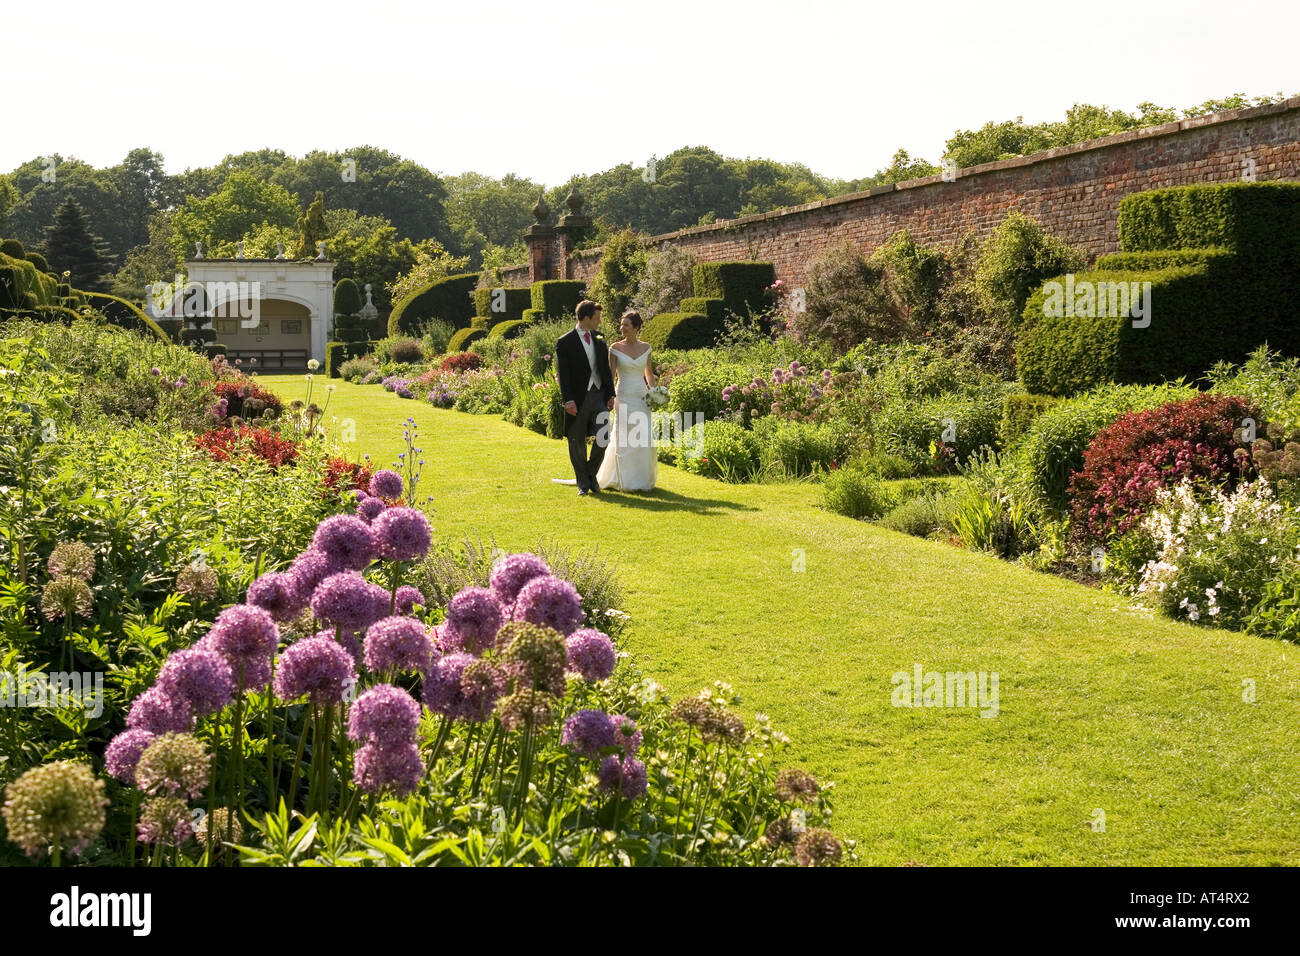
(1074, 191)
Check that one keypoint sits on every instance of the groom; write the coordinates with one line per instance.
(582, 363)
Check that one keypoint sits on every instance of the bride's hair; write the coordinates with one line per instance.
(633, 316)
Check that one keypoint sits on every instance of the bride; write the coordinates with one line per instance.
(631, 461)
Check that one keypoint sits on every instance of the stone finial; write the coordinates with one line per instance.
(575, 200)
(369, 310)
(279, 250)
(541, 211)
(198, 250)
(368, 294)
(239, 249)
(320, 250)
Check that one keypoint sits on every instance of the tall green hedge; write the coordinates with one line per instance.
(509, 329)
(22, 285)
(1159, 259)
(462, 338)
(1261, 220)
(558, 298)
(682, 330)
(123, 313)
(742, 286)
(715, 309)
(336, 353)
(449, 299)
(514, 300)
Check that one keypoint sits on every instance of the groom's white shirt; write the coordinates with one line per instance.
(590, 349)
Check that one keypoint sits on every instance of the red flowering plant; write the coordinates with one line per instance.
(227, 444)
(461, 362)
(1129, 462)
(343, 476)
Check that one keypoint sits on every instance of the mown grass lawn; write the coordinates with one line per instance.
(1101, 707)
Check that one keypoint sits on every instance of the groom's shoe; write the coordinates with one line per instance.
(583, 491)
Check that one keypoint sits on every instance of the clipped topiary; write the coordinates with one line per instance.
(461, 340)
(13, 248)
(558, 298)
(742, 286)
(682, 330)
(450, 299)
(347, 298)
(509, 329)
(38, 260)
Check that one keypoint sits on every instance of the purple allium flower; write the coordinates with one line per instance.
(200, 676)
(462, 687)
(817, 847)
(475, 616)
(514, 571)
(403, 534)
(397, 768)
(182, 382)
(384, 715)
(174, 765)
(123, 753)
(407, 598)
(349, 601)
(627, 774)
(591, 654)
(311, 568)
(246, 637)
(626, 734)
(551, 602)
(278, 594)
(155, 371)
(398, 644)
(165, 820)
(159, 713)
(386, 484)
(347, 539)
(370, 509)
(316, 666)
(350, 641)
(587, 732)
(533, 656)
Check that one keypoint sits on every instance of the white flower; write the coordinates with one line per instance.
(313, 364)
(1215, 610)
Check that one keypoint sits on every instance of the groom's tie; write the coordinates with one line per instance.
(586, 337)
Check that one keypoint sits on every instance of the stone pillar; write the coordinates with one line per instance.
(541, 245)
(572, 228)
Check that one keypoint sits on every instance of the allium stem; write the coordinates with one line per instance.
(482, 758)
(239, 759)
(297, 760)
(443, 732)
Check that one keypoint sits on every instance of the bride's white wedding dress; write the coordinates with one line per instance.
(631, 461)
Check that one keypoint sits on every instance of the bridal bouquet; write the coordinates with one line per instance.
(657, 397)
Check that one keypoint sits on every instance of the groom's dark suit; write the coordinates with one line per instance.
(574, 372)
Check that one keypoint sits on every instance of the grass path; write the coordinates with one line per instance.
(1100, 707)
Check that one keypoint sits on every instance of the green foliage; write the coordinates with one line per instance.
(13, 248)
(622, 264)
(915, 430)
(355, 369)
(74, 249)
(715, 309)
(449, 299)
(930, 510)
(347, 298)
(437, 335)
(463, 338)
(1258, 220)
(849, 301)
(1015, 261)
(123, 313)
(727, 451)
(741, 285)
(24, 286)
(1053, 446)
(682, 330)
(796, 449)
(509, 329)
(432, 264)
(513, 302)
(337, 353)
(534, 315)
(558, 298)
(667, 281)
(1163, 259)
(1019, 411)
(245, 202)
(857, 493)
(312, 228)
(38, 260)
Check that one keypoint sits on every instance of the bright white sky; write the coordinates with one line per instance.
(546, 90)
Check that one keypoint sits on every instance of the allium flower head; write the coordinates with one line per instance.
(200, 676)
(160, 713)
(397, 768)
(223, 822)
(817, 847)
(588, 732)
(166, 821)
(317, 667)
(475, 615)
(66, 597)
(347, 540)
(591, 654)
(627, 776)
(549, 601)
(310, 568)
(527, 708)
(201, 583)
(384, 715)
(349, 601)
(780, 832)
(247, 638)
(278, 594)
(398, 644)
(402, 534)
(174, 765)
(386, 484)
(370, 509)
(407, 598)
(123, 753)
(462, 687)
(796, 786)
(60, 801)
(512, 572)
(72, 559)
(534, 657)
(626, 734)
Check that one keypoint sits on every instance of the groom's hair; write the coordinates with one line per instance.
(585, 310)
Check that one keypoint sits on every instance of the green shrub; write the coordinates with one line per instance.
(536, 315)
(715, 309)
(509, 329)
(1052, 449)
(461, 340)
(124, 314)
(13, 248)
(886, 466)
(436, 335)
(856, 494)
(1258, 220)
(727, 451)
(1155, 261)
(22, 285)
(38, 260)
(513, 301)
(699, 390)
(622, 263)
(558, 298)
(682, 330)
(449, 299)
(347, 298)
(741, 285)
(797, 449)
(1015, 261)
(337, 353)
(914, 429)
(1019, 411)
(666, 282)
(355, 369)
(925, 506)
